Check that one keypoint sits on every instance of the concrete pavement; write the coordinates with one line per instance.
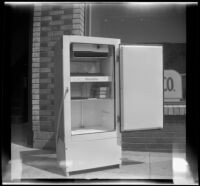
(30, 163)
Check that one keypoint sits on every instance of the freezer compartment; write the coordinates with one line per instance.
(89, 50)
(95, 67)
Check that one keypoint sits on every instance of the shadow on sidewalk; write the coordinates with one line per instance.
(41, 159)
(46, 161)
(21, 134)
(126, 161)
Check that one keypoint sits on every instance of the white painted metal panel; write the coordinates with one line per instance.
(93, 154)
(86, 150)
(142, 87)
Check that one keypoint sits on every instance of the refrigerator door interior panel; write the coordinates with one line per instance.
(141, 74)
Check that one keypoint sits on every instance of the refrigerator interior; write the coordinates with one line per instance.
(92, 88)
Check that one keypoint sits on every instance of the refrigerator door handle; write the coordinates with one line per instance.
(66, 91)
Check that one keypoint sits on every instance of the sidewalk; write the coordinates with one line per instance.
(30, 163)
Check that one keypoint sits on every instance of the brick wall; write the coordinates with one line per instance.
(50, 22)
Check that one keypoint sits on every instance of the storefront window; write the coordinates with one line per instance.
(134, 23)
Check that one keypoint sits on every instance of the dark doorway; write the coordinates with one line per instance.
(18, 33)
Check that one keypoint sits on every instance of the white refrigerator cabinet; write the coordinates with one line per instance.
(101, 89)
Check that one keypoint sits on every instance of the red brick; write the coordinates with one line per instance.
(35, 65)
(47, 104)
(35, 49)
(45, 69)
(55, 33)
(36, 44)
(44, 144)
(56, 12)
(35, 112)
(35, 107)
(51, 75)
(35, 91)
(45, 39)
(37, 102)
(36, 39)
(66, 16)
(46, 76)
(46, 113)
(66, 27)
(45, 80)
(78, 16)
(50, 96)
(45, 59)
(78, 27)
(76, 21)
(45, 48)
(46, 28)
(36, 29)
(36, 60)
(36, 34)
(36, 85)
(46, 7)
(55, 38)
(35, 75)
(36, 123)
(35, 69)
(37, 13)
(47, 53)
(51, 43)
(36, 54)
(44, 135)
(47, 118)
(46, 91)
(78, 11)
(65, 6)
(36, 18)
(47, 127)
(36, 24)
(77, 32)
(37, 8)
(35, 80)
(35, 118)
(58, 22)
(46, 18)
(36, 127)
(35, 97)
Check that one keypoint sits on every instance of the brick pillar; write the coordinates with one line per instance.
(50, 22)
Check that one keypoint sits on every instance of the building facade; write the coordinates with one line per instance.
(132, 25)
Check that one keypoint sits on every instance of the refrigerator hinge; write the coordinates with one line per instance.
(118, 118)
(118, 58)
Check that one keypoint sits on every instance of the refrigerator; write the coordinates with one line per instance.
(103, 88)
